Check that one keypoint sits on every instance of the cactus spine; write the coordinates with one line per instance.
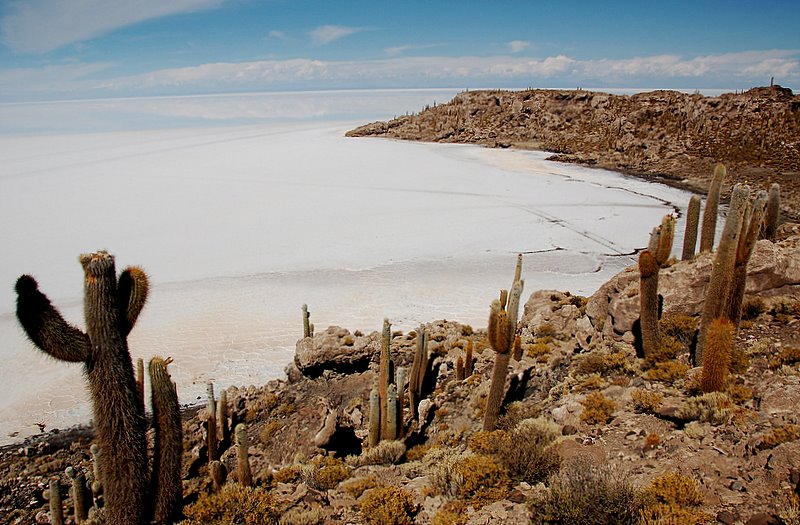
(751, 230)
(211, 423)
(712, 207)
(54, 498)
(690, 234)
(501, 331)
(718, 291)
(374, 417)
(166, 488)
(242, 456)
(773, 212)
(111, 307)
(719, 341)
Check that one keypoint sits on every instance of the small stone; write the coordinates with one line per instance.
(726, 517)
(569, 430)
(762, 519)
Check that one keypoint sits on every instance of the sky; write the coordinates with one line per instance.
(86, 49)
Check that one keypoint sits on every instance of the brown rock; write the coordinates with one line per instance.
(334, 349)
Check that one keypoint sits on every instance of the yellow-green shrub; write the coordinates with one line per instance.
(233, 504)
(597, 409)
(388, 506)
(646, 401)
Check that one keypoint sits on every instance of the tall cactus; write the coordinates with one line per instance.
(78, 493)
(245, 476)
(709, 229)
(400, 382)
(718, 291)
(211, 423)
(751, 230)
(469, 360)
(166, 488)
(501, 331)
(385, 375)
(690, 234)
(392, 417)
(222, 418)
(306, 322)
(54, 499)
(651, 261)
(374, 417)
(772, 218)
(418, 370)
(717, 359)
(111, 308)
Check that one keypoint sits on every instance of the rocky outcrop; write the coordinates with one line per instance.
(335, 349)
(675, 136)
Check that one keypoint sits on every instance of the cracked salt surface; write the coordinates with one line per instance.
(239, 226)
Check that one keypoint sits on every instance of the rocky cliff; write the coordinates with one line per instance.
(667, 134)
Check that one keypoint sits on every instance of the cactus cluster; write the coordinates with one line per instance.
(111, 307)
(386, 398)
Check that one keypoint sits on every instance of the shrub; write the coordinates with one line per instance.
(740, 394)
(489, 442)
(324, 472)
(315, 516)
(787, 356)
(516, 412)
(385, 453)
(597, 409)
(289, 474)
(646, 401)
(679, 327)
(662, 514)
(752, 308)
(673, 488)
(601, 362)
(714, 408)
(592, 382)
(587, 494)
(440, 467)
(740, 361)
(667, 351)
(529, 455)
(388, 506)
(357, 486)
(233, 504)
(483, 480)
(667, 371)
(778, 435)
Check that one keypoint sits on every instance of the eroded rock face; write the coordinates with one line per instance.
(335, 349)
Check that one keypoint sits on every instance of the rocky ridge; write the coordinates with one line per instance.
(672, 136)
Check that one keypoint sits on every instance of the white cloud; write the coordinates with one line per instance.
(39, 26)
(279, 35)
(399, 50)
(516, 46)
(326, 34)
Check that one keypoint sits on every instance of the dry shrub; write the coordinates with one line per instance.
(740, 361)
(417, 452)
(715, 408)
(679, 327)
(652, 440)
(269, 431)
(484, 480)
(290, 474)
(673, 499)
(324, 472)
(537, 349)
(489, 442)
(530, 455)
(752, 308)
(385, 453)
(439, 464)
(785, 309)
(662, 514)
(646, 401)
(740, 394)
(315, 516)
(667, 371)
(233, 504)
(388, 506)
(603, 362)
(597, 409)
(778, 435)
(668, 350)
(451, 513)
(357, 486)
(584, 493)
(593, 382)
(788, 356)
(516, 412)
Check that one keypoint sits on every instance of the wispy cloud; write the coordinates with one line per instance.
(399, 50)
(326, 34)
(278, 35)
(517, 46)
(39, 26)
(724, 70)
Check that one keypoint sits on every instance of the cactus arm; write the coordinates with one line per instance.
(45, 327)
(666, 237)
(132, 289)
(166, 490)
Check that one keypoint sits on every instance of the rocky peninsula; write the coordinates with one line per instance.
(668, 136)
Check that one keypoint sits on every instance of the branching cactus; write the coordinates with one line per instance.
(719, 286)
(651, 261)
(111, 308)
(772, 218)
(717, 360)
(501, 330)
(709, 229)
(243, 456)
(166, 489)
(751, 230)
(690, 234)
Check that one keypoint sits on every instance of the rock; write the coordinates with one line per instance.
(726, 517)
(334, 349)
(762, 519)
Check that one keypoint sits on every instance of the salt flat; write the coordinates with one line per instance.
(242, 222)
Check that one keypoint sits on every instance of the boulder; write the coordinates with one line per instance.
(335, 349)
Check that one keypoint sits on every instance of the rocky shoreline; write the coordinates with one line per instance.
(667, 136)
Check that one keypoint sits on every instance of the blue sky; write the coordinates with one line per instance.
(57, 49)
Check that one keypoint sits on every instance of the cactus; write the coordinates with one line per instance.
(385, 375)
(751, 229)
(307, 332)
(772, 217)
(719, 341)
(111, 307)
(418, 369)
(469, 360)
(718, 291)
(501, 331)
(78, 493)
(211, 423)
(460, 369)
(245, 476)
(708, 231)
(166, 489)
(374, 417)
(400, 382)
(97, 486)
(217, 473)
(54, 498)
(222, 418)
(517, 354)
(391, 414)
(663, 248)
(690, 234)
(648, 302)
(140, 380)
